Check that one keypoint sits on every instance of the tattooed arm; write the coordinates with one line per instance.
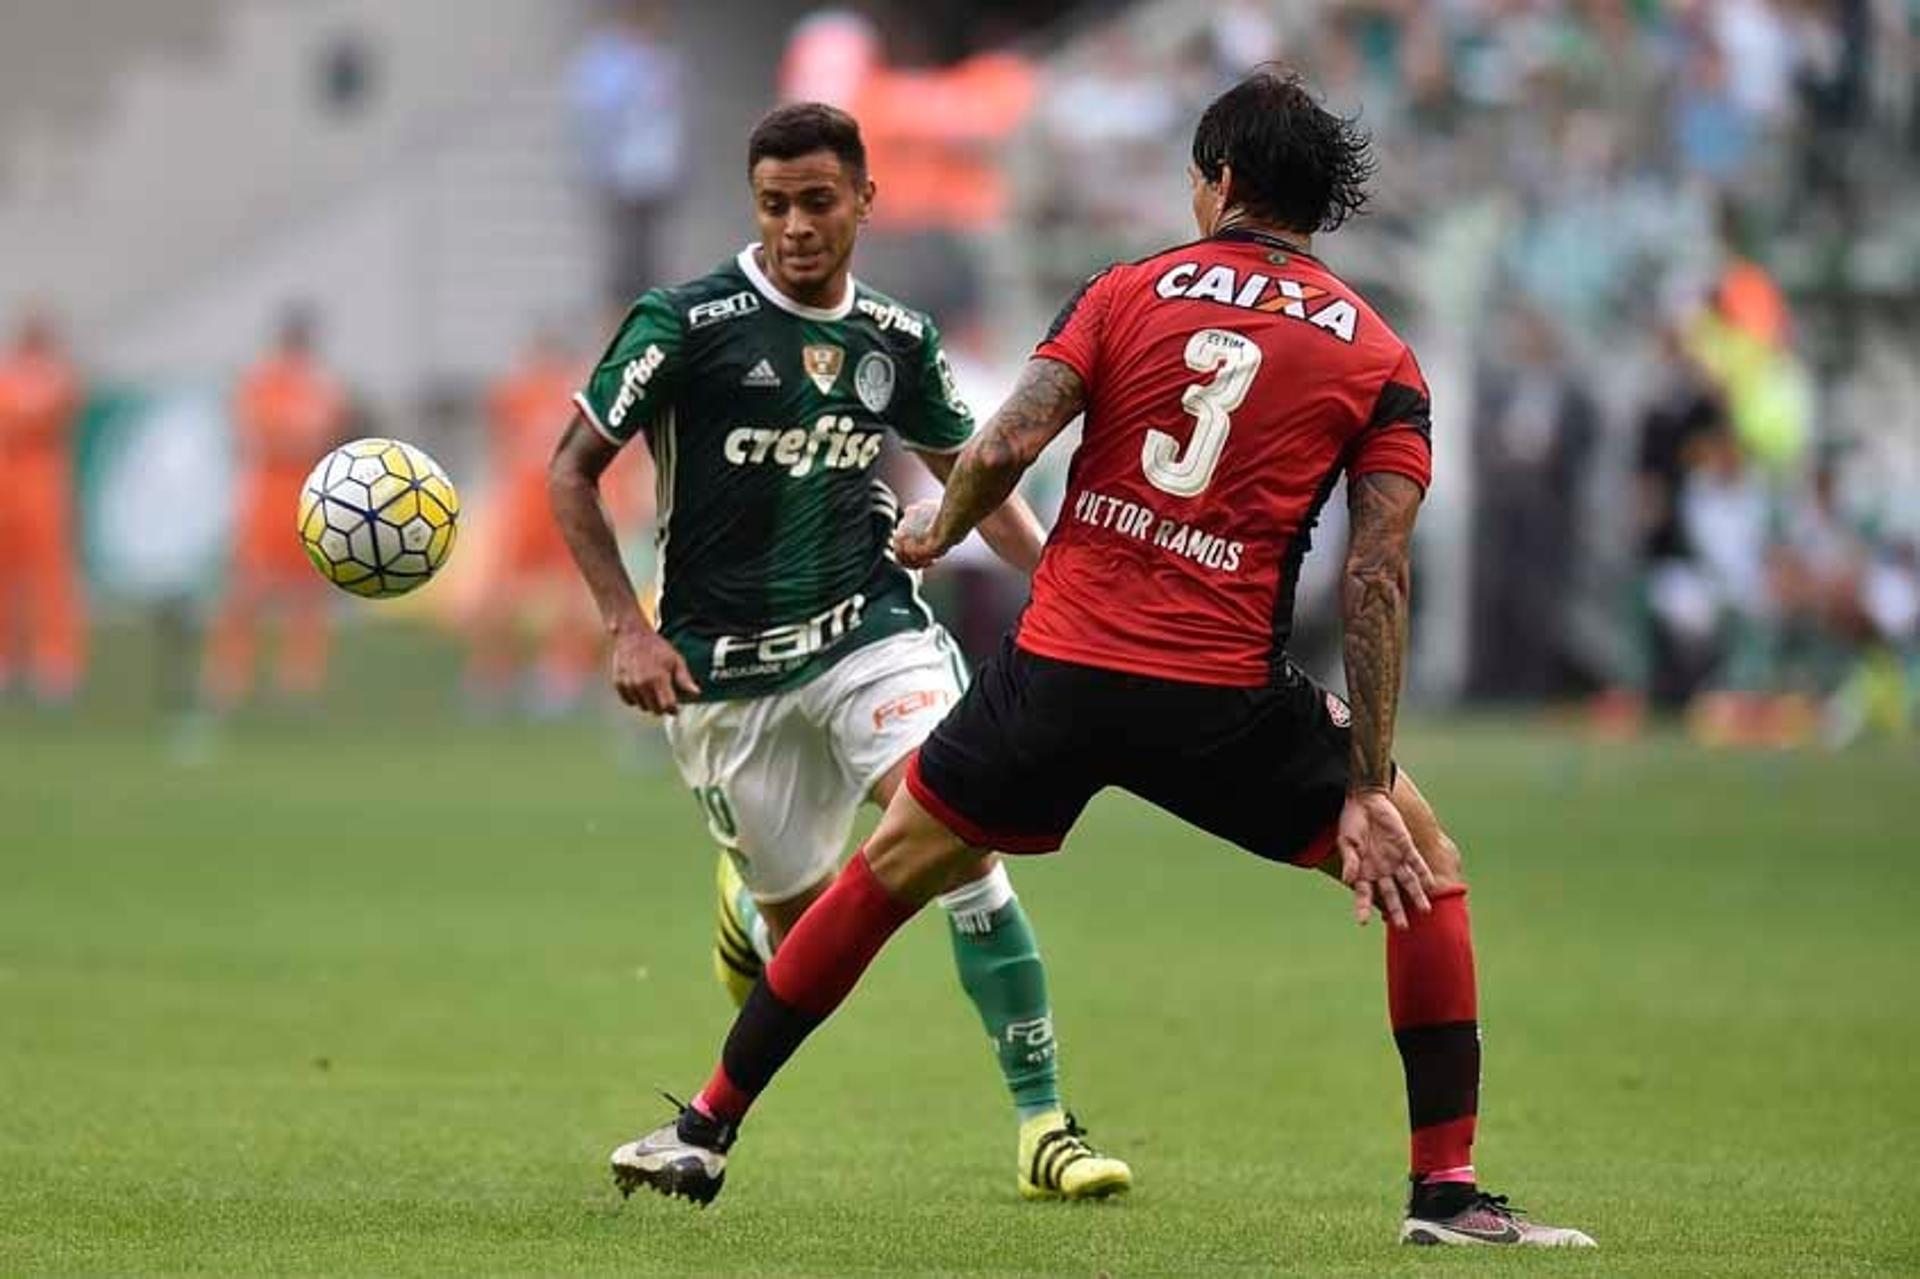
(1012, 530)
(1378, 860)
(1373, 607)
(1048, 396)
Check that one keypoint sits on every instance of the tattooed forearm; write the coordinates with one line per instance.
(1373, 605)
(1012, 529)
(1048, 396)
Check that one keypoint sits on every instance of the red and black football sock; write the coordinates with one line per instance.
(1435, 1010)
(816, 966)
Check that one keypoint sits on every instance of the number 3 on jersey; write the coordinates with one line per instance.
(1233, 359)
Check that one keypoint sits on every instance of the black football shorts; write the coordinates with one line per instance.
(1033, 739)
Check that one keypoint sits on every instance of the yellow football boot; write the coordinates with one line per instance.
(735, 962)
(1057, 1163)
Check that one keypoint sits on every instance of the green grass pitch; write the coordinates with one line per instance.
(377, 994)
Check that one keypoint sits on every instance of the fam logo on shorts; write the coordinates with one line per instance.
(873, 381)
(1339, 712)
(913, 703)
(822, 364)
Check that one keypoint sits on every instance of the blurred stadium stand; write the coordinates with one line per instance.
(59, 60)
(402, 170)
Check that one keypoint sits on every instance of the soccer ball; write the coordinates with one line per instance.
(378, 517)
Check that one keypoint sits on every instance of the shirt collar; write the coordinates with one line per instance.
(767, 289)
(1253, 236)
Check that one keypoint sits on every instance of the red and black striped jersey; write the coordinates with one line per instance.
(1230, 383)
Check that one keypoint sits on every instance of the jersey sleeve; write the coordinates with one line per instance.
(1398, 436)
(639, 371)
(1074, 338)
(935, 418)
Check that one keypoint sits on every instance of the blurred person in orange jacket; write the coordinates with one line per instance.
(933, 131)
(287, 413)
(937, 134)
(40, 395)
(532, 573)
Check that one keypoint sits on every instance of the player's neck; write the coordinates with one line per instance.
(1240, 221)
(826, 296)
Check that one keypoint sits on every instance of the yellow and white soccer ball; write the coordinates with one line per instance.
(378, 517)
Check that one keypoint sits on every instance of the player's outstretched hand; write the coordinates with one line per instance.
(649, 673)
(914, 543)
(1378, 860)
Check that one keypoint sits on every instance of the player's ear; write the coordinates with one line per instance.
(1223, 189)
(863, 193)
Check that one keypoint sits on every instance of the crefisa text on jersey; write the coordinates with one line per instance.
(633, 381)
(891, 315)
(1130, 519)
(1219, 283)
(795, 449)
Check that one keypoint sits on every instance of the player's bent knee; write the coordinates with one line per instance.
(1444, 860)
(972, 872)
(919, 867)
(1440, 853)
(913, 855)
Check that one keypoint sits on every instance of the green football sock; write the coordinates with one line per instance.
(1000, 968)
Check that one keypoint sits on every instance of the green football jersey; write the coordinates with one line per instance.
(765, 418)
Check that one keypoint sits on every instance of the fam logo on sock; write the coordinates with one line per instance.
(1035, 1034)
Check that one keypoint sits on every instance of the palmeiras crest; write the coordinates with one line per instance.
(873, 381)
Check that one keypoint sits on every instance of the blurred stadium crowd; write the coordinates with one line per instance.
(1667, 257)
(1662, 260)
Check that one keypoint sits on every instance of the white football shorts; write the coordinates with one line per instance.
(780, 778)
